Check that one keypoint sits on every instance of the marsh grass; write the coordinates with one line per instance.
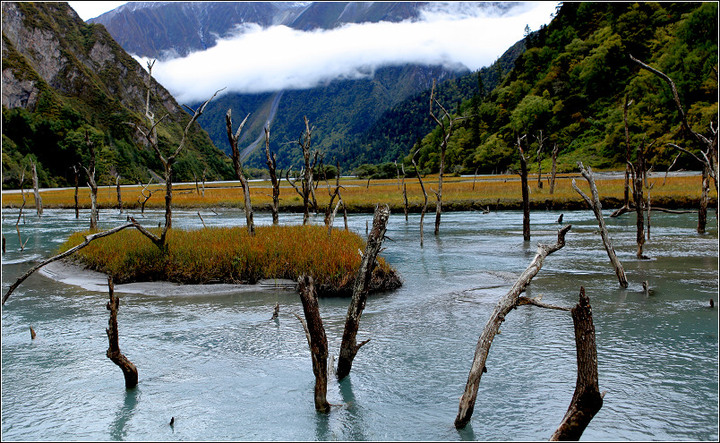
(498, 192)
(231, 255)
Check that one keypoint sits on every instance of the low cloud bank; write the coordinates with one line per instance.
(257, 59)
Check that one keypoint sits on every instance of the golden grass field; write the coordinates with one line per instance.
(459, 193)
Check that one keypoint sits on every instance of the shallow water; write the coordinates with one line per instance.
(226, 372)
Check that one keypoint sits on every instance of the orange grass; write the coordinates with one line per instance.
(502, 191)
(231, 255)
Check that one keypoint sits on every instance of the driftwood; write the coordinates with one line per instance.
(503, 307)
(87, 241)
(317, 340)
(596, 207)
(349, 346)
(587, 399)
(233, 139)
(113, 353)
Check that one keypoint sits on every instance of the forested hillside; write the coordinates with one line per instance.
(61, 78)
(571, 84)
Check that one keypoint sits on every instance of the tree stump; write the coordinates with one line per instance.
(317, 340)
(113, 353)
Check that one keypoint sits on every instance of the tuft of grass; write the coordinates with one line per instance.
(231, 255)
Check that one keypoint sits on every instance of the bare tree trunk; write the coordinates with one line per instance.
(540, 140)
(90, 171)
(404, 190)
(425, 204)
(596, 207)
(317, 340)
(76, 173)
(503, 307)
(113, 353)
(119, 195)
(704, 198)
(36, 189)
(233, 139)
(272, 168)
(349, 346)
(637, 179)
(554, 169)
(17, 223)
(587, 399)
(525, 192)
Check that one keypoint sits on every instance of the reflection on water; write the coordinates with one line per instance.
(226, 371)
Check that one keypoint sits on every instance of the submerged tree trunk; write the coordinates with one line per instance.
(113, 353)
(587, 399)
(349, 346)
(702, 212)
(525, 192)
(317, 340)
(596, 207)
(503, 307)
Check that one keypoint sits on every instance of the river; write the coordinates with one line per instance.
(225, 371)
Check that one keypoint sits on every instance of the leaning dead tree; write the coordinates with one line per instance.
(708, 144)
(149, 132)
(503, 307)
(525, 190)
(233, 139)
(317, 340)
(587, 399)
(17, 223)
(349, 346)
(445, 122)
(596, 207)
(271, 161)
(129, 370)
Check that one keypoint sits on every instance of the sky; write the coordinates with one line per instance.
(257, 59)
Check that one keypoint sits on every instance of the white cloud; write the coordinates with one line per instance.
(268, 59)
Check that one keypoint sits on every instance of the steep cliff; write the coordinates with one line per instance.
(61, 77)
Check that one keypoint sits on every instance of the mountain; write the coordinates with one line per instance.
(572, 81)
(63, 77)
(340, 111)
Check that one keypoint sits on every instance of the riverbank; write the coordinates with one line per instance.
(679, 190)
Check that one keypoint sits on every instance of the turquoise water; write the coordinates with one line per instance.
(224, 371)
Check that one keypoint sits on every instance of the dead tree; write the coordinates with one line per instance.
(271, 161)
(404, 187)
(119, 194)
(525, 190)
(503, 307)
(709, 144)
(233, 139)
(36, 189)
(349, 346)
(90, 171)
(306, 173)
(445, 122)
(76, 174)
(150, 134)
(626, 195)
(553, 172)
(317, 340)
(113, 353)
(425, 203)
(145, 197)
(637, 172)
(596, 207)
(538, 155)
(587, 399)
(17, 223)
